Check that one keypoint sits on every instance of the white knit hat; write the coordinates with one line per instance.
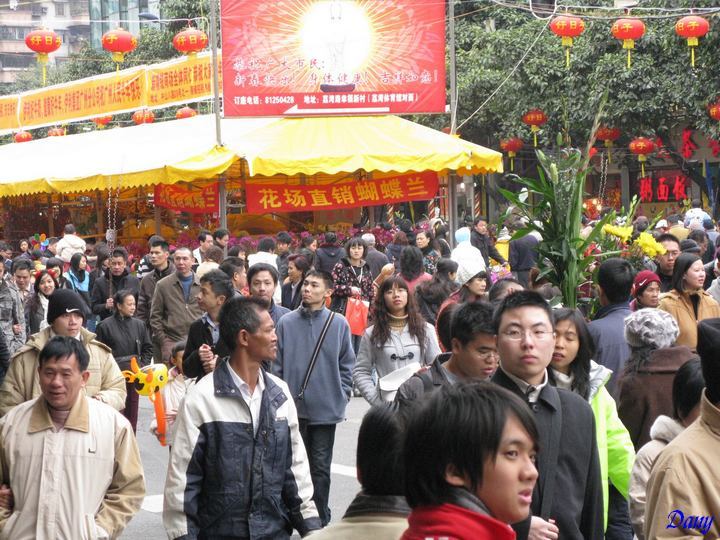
(470, 262)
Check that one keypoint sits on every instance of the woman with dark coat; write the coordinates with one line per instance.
(127, 337)
(645, 388)
(37, 307)
(412, 269)
(425, 241)
(298, 266)
(430, 295)
(394, 249)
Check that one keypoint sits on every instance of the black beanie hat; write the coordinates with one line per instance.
(64, 301)
(708, 347)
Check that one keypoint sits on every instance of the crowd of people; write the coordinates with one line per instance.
(495, 412)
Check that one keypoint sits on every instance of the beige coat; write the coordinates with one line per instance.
(84, 481)
(686, 477)
(21, 384)
(373, 527)
(680, 307)
(663, 430)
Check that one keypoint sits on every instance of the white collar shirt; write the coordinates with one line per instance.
(254, 399)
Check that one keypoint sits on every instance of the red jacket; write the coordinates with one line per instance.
(452, 522)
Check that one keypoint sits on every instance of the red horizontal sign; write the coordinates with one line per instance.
(188, 199)
(263, 198)
(310, 57)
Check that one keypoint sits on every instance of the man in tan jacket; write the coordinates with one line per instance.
(71, 462)
(65, 316)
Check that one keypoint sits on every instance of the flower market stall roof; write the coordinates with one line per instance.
(185, 150)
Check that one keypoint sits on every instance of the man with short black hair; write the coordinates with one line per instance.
(204, 347)
(666, 261)
(69, 244)
(266, 255)
(238, 468)
(328, 253)
(615, 281)
(282, 249)
(322, 388)
(568, 499)
(72, 462)
(206, 240)
(221, 237)
(234, 267)
(145, 265)
(480, 239)
(22, 276)
(263, 282)
(117, 279)
(52, 246)
(676, 227)
(162, 266)
(473, 354)
(12, 321)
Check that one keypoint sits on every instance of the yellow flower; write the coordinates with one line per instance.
(649, 245)
(623, 233)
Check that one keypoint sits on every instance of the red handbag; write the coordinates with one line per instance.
(356, 313)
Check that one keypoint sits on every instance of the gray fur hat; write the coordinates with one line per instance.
(651, 328)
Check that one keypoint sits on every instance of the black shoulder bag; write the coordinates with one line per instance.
(315, 354)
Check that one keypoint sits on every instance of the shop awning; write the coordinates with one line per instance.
(185, 150)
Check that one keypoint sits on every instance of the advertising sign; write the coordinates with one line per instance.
(323, 57)
(263, 198)
(188, 199)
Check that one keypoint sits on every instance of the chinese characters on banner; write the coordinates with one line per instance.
(310, 57)
(188, 199)
(670, 186)
(263, 198)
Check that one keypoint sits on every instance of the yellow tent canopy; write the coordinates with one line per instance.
(185, 150)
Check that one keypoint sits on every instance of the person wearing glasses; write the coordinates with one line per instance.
(399, 336)
(568, 499)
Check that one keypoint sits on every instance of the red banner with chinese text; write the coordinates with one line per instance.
(310, 57)
(666, 186)
(263, 198)
(188, 199)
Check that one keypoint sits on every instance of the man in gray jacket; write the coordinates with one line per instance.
(321, 392)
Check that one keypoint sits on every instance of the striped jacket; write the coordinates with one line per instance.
(222, 480)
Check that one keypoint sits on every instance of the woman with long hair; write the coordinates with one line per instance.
(687, 301)
(441, 232)
(425, 241)
(430, 295)
(77, 278)
(394, 249)
(298, 266)
(399, 336)
(37, 307)
(573, 368)
(412, 268)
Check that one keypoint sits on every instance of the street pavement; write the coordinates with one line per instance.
(147, 524)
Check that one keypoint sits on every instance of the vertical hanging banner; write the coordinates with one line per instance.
(264, 198)
(324, 57)
(8, 113)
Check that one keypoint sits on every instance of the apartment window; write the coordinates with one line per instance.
(60, 10)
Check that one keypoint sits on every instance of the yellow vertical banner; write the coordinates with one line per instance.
(8, 113)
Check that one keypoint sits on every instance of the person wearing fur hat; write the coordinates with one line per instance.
(645, 387)
(645, 290)
(688, 302)
(685, 478)
(65, 315)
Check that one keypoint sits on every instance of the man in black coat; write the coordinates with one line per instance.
(480, 239)
(118, 279)
(568, 496)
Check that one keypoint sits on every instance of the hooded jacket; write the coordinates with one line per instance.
(327, 256)
(106, 383)
(69, 245)
(663, 431)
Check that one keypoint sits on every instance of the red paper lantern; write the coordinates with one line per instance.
(102, 121)
(691, 28)
(642, 147)
(119, 42)
(56, 132)
(143, 117)
(608, 135)
(535, 118)
(190, 41)
(567, 28)
(23, 136)
(628, 30)
(512, 147)
(185, 112)
(43, 42)
(714, 111)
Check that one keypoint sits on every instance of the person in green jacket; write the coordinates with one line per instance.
(572, 368)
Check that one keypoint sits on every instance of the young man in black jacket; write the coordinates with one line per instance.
(204, 346)
(568, 496)
(117, 279)
(480, 239)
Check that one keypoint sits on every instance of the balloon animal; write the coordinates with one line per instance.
(149, 381)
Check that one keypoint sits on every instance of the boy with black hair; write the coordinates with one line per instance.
(282, 249)
(234, 267)
(221, 237)
(262, 280)
(469, 458)
(568, 498)
(666, 261)
(117, 279)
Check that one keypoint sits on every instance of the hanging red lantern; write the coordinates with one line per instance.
(628, 30)
(567, 28)
(535, 118)
(119, 42)
(43, 42)
(512, 147)
(56, 132)
(608, 135)
(23, 136)
(190, 41)
(185, 112)
(691, 28)
(102, 121)
(714, 111)
(642, 147)
(143, 117)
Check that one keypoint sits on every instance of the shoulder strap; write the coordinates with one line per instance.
(315, 354)
(548, 489)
